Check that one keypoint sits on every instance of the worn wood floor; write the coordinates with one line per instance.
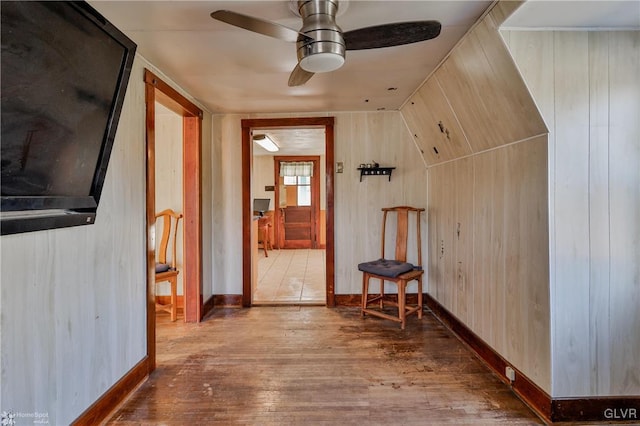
(314, 365)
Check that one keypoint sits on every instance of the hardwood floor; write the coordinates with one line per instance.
(314, 365)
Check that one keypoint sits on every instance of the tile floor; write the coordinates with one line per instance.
(291, 277)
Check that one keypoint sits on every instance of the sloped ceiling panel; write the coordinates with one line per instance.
(487, 92)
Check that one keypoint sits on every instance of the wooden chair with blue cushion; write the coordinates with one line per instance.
(396, 270)
(168, 271)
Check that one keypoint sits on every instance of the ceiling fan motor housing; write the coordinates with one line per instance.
(324, 51)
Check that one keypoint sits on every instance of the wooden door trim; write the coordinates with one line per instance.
(247, 210)
(315, 194)
(157, 90)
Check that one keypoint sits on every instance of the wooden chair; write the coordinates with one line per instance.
(166, 271)
(264, 233)
(395, 270)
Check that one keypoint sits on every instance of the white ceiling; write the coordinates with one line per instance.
(231, 70)
(234, 70)
(576, 15)
(293, 141)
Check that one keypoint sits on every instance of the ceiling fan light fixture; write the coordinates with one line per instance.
(266, 142)
(322, 62)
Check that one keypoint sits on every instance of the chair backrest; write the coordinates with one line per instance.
(402, 231)
(169, 232)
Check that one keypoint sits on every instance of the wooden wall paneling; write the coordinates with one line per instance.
(526, 249)
(435, 217)
(493, 276)
(521, 118)
(362, 138)
(533, 52)
(440, 136)
(586, 86)
(449, 187)
(599, 247)
(516, 248)
(570, 294)
(463, 90)
(488, 248)
(80, 287)
(350, 250)
(624, 185)
(462, 235)
(413, 114)
(486, 91)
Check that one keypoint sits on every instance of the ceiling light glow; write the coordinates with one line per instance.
(266, 142)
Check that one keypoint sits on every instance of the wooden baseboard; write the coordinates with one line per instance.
(590, 409)
(112, 398)
(227, 300)
(208, 306)
(599, 409)
(537, 399)
(348, 299)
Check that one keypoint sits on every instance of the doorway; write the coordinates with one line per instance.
(249, 256)
(158, 91)
(290, 268)
(297, 198)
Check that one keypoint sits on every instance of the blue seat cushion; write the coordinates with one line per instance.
(386, 268)
(162, 267)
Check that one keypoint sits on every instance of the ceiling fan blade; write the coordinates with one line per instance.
(299, 76)
(388, 35)
(258, 25)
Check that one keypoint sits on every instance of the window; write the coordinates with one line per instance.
(298, 187)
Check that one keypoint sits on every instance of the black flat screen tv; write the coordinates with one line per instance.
(64, 75)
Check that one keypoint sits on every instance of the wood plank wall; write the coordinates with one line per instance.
(360, 137)
(73, 299)
(485, 145)
(587, 85)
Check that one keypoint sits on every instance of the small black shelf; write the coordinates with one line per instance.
(376, 171)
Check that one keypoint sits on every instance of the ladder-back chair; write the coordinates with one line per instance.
(167, 270)
(396, 270)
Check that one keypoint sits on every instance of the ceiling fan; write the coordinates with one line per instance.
(321, 44)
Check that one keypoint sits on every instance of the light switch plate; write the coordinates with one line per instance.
(339, 167)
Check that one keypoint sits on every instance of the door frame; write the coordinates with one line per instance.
(247, 207)
(315, 196)
(156, 90)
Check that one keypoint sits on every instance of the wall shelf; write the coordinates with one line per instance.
(376, 171)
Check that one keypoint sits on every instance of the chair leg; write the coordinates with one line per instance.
(365, 292)
(174, 298)
(402, 313)
(381, 294)
(420, 297)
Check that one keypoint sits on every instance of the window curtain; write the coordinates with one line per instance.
(296, 168)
